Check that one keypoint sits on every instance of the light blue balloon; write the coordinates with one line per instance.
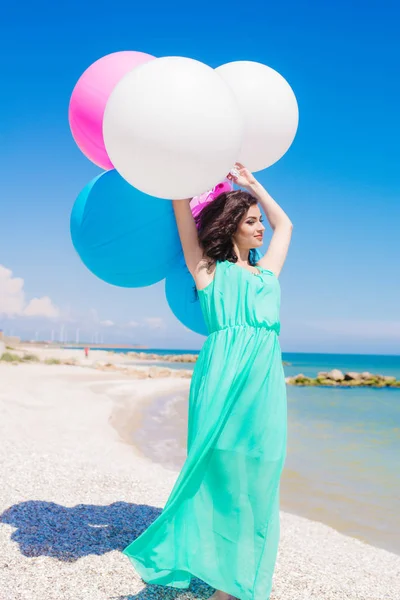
(122, 235)
(179, 290)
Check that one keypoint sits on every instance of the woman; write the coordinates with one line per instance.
(221, 520)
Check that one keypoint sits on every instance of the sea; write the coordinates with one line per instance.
(343, 454)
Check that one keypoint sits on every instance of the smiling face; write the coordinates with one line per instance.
(250, 231)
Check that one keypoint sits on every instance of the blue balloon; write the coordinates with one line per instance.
(122, 235)
(179, 290)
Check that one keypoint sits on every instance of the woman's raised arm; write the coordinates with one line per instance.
(282, 226)
(187, 229)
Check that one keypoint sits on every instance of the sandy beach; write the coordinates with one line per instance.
(74, 492)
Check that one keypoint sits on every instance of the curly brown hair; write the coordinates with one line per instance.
(217, 223)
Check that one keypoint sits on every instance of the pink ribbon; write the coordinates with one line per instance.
(199, 202)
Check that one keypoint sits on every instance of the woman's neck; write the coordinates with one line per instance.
(242, 255)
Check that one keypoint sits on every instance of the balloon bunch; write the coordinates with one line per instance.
(166, 128)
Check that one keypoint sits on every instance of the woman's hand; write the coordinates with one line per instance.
(243, 178)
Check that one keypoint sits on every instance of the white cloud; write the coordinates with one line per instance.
(154, 322)
(12, 298)
(107, 323)
(13, 303)
(41, 307)
(147, 323)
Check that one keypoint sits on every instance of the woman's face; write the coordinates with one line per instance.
(250, 231)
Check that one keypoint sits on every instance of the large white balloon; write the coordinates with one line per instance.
(173, 128)
(269, 108)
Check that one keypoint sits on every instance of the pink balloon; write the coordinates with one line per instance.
(89, 99)
(199, 202)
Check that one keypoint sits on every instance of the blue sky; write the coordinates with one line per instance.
(339, 182)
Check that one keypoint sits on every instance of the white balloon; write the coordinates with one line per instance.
(269, 109)
(172, 128)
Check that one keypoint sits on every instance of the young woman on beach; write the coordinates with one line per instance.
(221, 520)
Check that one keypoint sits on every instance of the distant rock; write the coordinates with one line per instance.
(328, 382)
(335, 375)
(366, 375)
(302, 378)
(349, 379)
(322, 375)
(351, 375)
(187, 358)
(388, 378)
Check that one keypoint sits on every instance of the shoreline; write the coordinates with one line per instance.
(74, 494)
(155, 439)
(127, 413)
(109, 360)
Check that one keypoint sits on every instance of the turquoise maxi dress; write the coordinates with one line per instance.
(221, 520)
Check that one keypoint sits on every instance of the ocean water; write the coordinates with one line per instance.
(308, 364)
(342, 465)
